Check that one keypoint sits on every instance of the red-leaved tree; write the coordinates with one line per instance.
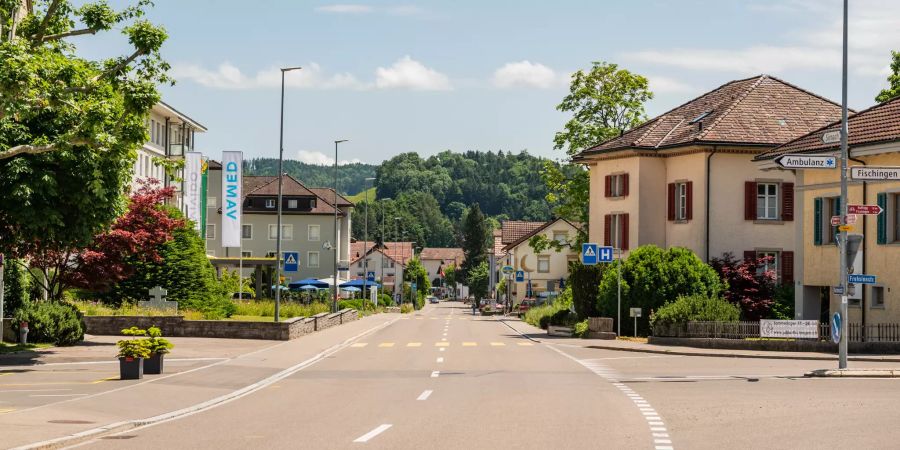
(134, 237)
(749, 286)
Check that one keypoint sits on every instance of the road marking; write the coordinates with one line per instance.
(442, 349)
(435, 374)
(386, 344)
(658, 429)
(6, 410)
(525, 344)
(378, 430)
(414, 344)
(359, 344)
(442, 344)
(661, 435)
(497, 344)
(440, 360)
(424, 395)
(56, 395)
(445, 334)
(444, 339)
(469, 344)
(33, 390)
(662, 441)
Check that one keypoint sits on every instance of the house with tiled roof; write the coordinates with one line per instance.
(308, 216)
(874, 142)
(387, 260)
(686, 178)
(544, 272)
(436, 260)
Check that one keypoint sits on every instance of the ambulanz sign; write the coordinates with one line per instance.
(231, 198)
(806, 162)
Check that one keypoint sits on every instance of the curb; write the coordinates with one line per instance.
(854, 373)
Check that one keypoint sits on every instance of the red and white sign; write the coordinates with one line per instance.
(835, 220)
(850, 220)
(868, 210)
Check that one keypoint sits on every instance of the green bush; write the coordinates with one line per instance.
(51, 322)
(783, 306)
(563, 318)
(406, 308)
(581, 328)
(688, 308)
(266, 308)
(16, 282)
(540, 316)
(585, 284)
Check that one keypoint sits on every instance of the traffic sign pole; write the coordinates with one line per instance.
(842, 347)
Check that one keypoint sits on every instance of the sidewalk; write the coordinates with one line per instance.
(540, 335)
(231, 368)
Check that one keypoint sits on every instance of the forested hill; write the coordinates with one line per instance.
(351, 177)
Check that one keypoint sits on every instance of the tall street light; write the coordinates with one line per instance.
(366, 242)
(383, 246)
(335, 246)
(402, 270)
(280, 177)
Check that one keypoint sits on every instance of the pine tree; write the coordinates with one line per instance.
(475, 234)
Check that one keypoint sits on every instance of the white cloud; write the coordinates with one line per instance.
(345, 9)
(760, 59)
(660, 84)
(321, 159)
(411, 74)
(227, 76)
(527, 74)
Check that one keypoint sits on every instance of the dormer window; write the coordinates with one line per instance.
(292, 204)
(270, 203)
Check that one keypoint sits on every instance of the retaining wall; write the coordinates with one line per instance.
(874, 348)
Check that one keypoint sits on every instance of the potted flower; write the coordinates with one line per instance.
(158, 347)
(132, 353)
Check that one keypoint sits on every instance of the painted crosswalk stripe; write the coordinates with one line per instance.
(359, 344)
(414, 344)
(378, 430)
(441, 344)
(424, 395)
(435, 374)
(525, 344)
(386, 344)
(497, 344)
(470, 344)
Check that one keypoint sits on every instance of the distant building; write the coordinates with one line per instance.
(546, 271)
(437, 260)
(388, 261)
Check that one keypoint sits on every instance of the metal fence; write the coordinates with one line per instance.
(883, 332)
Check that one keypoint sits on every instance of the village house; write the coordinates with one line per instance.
(388, 261)
(436, 260)
(545, 272)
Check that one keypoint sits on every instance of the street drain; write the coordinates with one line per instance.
(70, 422)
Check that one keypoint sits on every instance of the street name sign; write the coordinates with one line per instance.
(507, 270)
(831, 137)
(867, 210)
(862, 278)
(798, 329)
(874, 173)
(839, 290)
(520, 276)
(291, 261)
(635, 312)
(806, 162)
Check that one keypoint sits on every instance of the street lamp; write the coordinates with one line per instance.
(402, 272)
(336, 245)
(280, 178)
(383, 240)
(366, 240)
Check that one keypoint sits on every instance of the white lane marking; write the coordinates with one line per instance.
(34, 390)
(440, 360)
(57, 395)
(661, 435)
(445, 334)
(662, 441)
(442, 349)
(435, 374)
(663, 447)
(443, 339)
(378, 430)
(424, 395)
(636, 357)
(114, 361)
(658, 429)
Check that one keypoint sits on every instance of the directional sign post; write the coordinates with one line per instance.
(859, 278)
(291, 261)
(874, 173)
(635, 312)
(866, 210)
(806, 162)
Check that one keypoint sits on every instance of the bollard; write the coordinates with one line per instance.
(23, 333)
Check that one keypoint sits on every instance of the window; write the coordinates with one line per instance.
(895, 216)
(210, 231)
(766, 201)
(270, 203)
(616, 231)
(211, 253)
(246, 254)
(771, 262)
(313, 233)
(877, 297)
(270, 254)
(359, 264)
(152, 130)
(560, 236)
(385, 263)
(287, 232)
(833, 205)
(246, 231)
(617, 185)
(543, 263)
(312, 259)
(701, 116)
(680, 202)
(823, 209)
(292, 204)
(211, 202)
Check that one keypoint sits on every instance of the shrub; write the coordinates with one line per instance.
(563, 318)
(52, 322)
(16, 282)
(749, 287)
(540, 316)
(783, 307)
(585, 284)
(156, 343)
(581, 328)
(406, 308)
(696, 307)
(266, 308)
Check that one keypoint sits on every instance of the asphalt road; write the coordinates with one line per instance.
(444, 379)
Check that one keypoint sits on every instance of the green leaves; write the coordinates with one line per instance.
(893, 90)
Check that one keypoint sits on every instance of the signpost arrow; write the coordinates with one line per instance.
(874, 173)
(806, 162)
(868, 210)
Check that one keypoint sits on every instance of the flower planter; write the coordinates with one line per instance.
(554, 330)
(154, 364)
(131, 368)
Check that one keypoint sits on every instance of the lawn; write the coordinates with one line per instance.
(247, 310)
(7, 347)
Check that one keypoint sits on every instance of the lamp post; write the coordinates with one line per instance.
(383, 246)
(366, 241)
(845, 338)
(280, 178)
(402, 272)
(334, 305)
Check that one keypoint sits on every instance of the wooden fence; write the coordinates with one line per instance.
(884, 332)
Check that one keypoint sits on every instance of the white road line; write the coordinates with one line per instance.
(424, 395)
(435, 374)
(57, 395)
(378, 430)
(114, 361)
(442, 349)
(34, 390)
(440, 360)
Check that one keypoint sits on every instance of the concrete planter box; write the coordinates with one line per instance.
(554, 330)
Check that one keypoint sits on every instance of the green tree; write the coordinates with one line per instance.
(652, 277)
(478, 280)
(585, 283)
(15, 285)
(893, 89)
(605, 102)
(415, 273)
(475, 235)
(69, 126)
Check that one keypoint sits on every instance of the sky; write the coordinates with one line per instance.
(429, 76)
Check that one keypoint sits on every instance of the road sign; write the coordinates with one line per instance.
(507, 270)
(635, 312)
(605, 254)
(370, 276)
(874, 173)
(589, 253)
(845, 228)
(859, 278)
(520, 276)
(867, 210)
(291, 261)
(839, 290)
(831, 137)
(836, 328)
(806, 162)
(849, 219)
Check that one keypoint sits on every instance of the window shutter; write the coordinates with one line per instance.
(607, 181)
(787, 201)
(817, 221)
(671, 201)
(750, 255)
(882, 219)
(607, 219)
(625, 185)
(750, 200)
(787, 268)
(624, 218)
(689, 187)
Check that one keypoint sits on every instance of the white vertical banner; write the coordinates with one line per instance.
(192, 187)
(232, 163)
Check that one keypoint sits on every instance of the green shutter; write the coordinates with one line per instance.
(817, 222)
(882, 219)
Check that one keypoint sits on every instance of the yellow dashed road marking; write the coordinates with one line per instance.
(386, 344)
(360, 344)
(441, 344)
(525, 344)
(497, 344)
(6, 410)
(470, 344)
(105, 379)
(414, 344)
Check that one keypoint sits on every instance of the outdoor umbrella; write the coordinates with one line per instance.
(351, 289)
(300, 284)
(360, 284)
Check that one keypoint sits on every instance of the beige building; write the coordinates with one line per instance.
(874, 140)
(544, 271)
(388, 261)
(687, 178)
(435, 260)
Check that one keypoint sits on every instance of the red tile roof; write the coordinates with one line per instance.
(880, 123)
(498, 243)
(544, 226)
(443, 254)
(513, 230)
(400, 252)
(268, 186)
(328, 195)
(762, 110)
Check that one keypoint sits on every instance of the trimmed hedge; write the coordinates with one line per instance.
(689, 308)
(52, 322)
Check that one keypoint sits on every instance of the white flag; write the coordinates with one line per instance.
(192, 187)
(232, 163)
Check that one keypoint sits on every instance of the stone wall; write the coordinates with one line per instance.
(777, 345)
(176, 326)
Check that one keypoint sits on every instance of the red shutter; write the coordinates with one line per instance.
(624, 222)
(750, 200)
(787, 201)
(625, 185)
(607, 219)
(787, 268)
(749, 255)
(690, 200)
(671, 201)
(607, 181)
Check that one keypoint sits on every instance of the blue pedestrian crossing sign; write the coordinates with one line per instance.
(520, 276)
(291, 261)
(592, 254)
(370, 276)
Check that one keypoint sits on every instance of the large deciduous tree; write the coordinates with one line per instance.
(750, 286)
(893, 89)
(69, 126)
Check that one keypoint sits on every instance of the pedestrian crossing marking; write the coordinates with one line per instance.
(525, 344)
(470, 344)
(386, 344)
(360, 344)
(441, 344)
(497, 344)
(414, 344)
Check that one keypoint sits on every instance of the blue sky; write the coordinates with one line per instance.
(427, 76)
